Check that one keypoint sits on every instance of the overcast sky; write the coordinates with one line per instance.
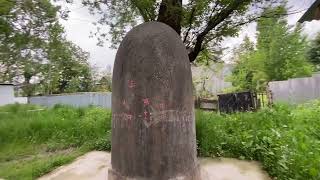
(79, 25)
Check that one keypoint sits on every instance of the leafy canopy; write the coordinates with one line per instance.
(34, 53)
(202, 24)
(279, 54)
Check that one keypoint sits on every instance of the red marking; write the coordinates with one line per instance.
(129, 117)
(131, 84)
(146, 101)
(145, 114)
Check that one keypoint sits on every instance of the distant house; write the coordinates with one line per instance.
(6, 94)
(313, 13)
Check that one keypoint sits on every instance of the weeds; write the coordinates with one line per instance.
(30, 141)
(284, 139)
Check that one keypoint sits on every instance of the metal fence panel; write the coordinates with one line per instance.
(280, 91)
(76, 100)
(294, 91)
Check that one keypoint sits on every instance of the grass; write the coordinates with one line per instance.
(33, 142)
(285, 139)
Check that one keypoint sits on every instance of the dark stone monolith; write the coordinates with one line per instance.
(153, 125)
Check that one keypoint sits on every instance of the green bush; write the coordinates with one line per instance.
(286, 140)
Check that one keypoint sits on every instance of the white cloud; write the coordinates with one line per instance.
(78, 28)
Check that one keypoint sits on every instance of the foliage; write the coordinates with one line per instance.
(34, 53)
(284, 139)
(202, 24)
(279, 54)
(314, 52)
(35, 142)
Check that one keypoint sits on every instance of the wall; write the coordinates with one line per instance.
(21, 100)
(294, 91)
(76, 100)
(6, 94)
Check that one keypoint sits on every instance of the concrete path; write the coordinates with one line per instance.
(94, 166)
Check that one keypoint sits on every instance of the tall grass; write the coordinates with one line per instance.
(35, 140)
(286, 140)
(62, 125)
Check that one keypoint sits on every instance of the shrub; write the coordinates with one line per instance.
(58, 127)
(285, 139)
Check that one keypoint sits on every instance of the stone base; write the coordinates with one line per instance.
(114, 175)
(95, 166)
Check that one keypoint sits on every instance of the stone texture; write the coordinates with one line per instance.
(153, 127)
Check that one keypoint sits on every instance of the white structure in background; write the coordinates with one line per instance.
(6, 94)
(213, 77)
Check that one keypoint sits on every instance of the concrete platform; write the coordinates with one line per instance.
(94, 166)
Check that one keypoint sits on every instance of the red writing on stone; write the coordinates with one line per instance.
(146, 101)
(131, 84)
(146, 114)
(122, 116)
(128, 117)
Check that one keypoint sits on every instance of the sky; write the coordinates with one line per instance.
(80, 24)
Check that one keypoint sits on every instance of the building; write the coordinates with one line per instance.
(6, 94)
(313, 13)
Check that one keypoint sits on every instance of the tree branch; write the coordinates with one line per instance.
(216, 20)
(190, 24)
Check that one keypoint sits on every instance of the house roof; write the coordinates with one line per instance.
(313, 13)
(6, 84)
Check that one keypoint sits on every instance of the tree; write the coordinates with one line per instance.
(314, 52)
(34, 53)
(200, 23)
(24, 28)
(68, 68)
(279, 54)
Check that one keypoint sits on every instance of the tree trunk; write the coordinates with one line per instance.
(170, 13)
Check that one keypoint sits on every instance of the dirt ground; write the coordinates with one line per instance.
(94, 166)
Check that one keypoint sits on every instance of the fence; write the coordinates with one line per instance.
(294, 91)
(21, 100)
(206, 104)
(240, 101)
(76, 100)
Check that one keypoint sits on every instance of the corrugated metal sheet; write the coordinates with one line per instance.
(77, 100)
(295, 91)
